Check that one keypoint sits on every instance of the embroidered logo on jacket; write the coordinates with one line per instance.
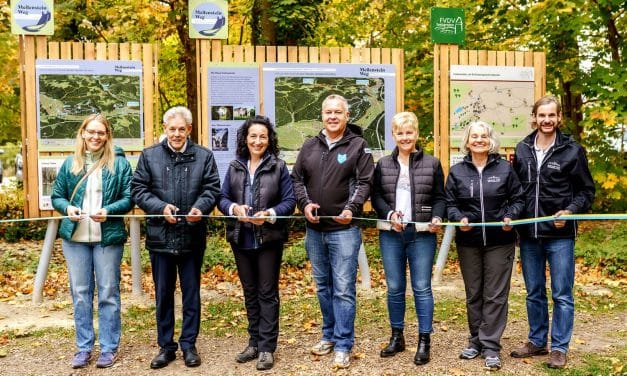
(554, 166)
(341, 158)
(493, 179)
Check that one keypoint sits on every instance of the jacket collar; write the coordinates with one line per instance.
(491, 159)
(412, 157)
(268, 160)
(560, 139)
(350, 132)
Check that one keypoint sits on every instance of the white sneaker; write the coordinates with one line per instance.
(341, 359)
(322, 348)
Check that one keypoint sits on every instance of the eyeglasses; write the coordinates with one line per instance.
(93, 132)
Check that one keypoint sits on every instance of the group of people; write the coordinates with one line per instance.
(176, 183)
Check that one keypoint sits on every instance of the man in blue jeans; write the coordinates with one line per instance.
(553, 170)
(332, 178)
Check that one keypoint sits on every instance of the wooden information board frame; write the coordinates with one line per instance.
(38, 47)
(214, 51)
(445, 55)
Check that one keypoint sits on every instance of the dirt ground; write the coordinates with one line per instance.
(39, 356)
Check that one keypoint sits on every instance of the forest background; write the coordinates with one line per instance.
(584, 42)
(585, 48)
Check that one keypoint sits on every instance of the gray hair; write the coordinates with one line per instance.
(181, 111)
(494, 138)
(336, 97)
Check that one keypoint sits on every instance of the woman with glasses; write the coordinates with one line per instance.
(256, 189)
(92, 185)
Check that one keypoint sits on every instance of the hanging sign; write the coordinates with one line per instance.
(208, 19)
(448, 25)
(32, 17)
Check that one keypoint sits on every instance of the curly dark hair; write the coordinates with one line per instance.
(242, 134)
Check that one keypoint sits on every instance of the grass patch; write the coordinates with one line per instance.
(603, 246)
(614, 299)
(138, 318)
(612, 363)
(450, 311)
(300, 314)
(224, 318)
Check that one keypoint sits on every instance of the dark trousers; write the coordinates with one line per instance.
(165, 268)
(258, 271)
(487, 272)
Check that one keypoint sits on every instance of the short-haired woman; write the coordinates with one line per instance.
(483, 187)
(408, 188)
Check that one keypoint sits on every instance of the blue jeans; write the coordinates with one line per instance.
(416, 249)
(84, 261)
(333, 256)
(560, 254)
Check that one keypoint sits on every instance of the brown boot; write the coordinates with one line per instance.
(557, 359)
(528, 350)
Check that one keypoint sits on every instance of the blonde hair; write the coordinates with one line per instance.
(108, 154)
(405, 119)
(494, 138)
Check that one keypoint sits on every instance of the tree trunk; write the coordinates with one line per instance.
(572, 103)
(263, 30)
(179, 8)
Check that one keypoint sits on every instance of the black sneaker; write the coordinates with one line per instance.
(249, 353)
(265, 361)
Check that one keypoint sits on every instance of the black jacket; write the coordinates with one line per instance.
(336, 179)
(563, 183)
(488, 196)
(187, 180)
(427, 186)
(270, 189)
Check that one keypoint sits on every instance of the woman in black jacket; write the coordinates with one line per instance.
(408, 188)
(257, 187)
(484, 188)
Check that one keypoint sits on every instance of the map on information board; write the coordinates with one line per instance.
(293, 95)
(500, 96)
(298, 104)
(70, 90)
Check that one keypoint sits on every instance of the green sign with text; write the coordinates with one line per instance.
(448, 25)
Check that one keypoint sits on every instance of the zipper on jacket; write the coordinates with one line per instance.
(535, 206)
(325, 157)
(482, 208)
(472, 188)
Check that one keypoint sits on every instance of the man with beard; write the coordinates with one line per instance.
(553, 170)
